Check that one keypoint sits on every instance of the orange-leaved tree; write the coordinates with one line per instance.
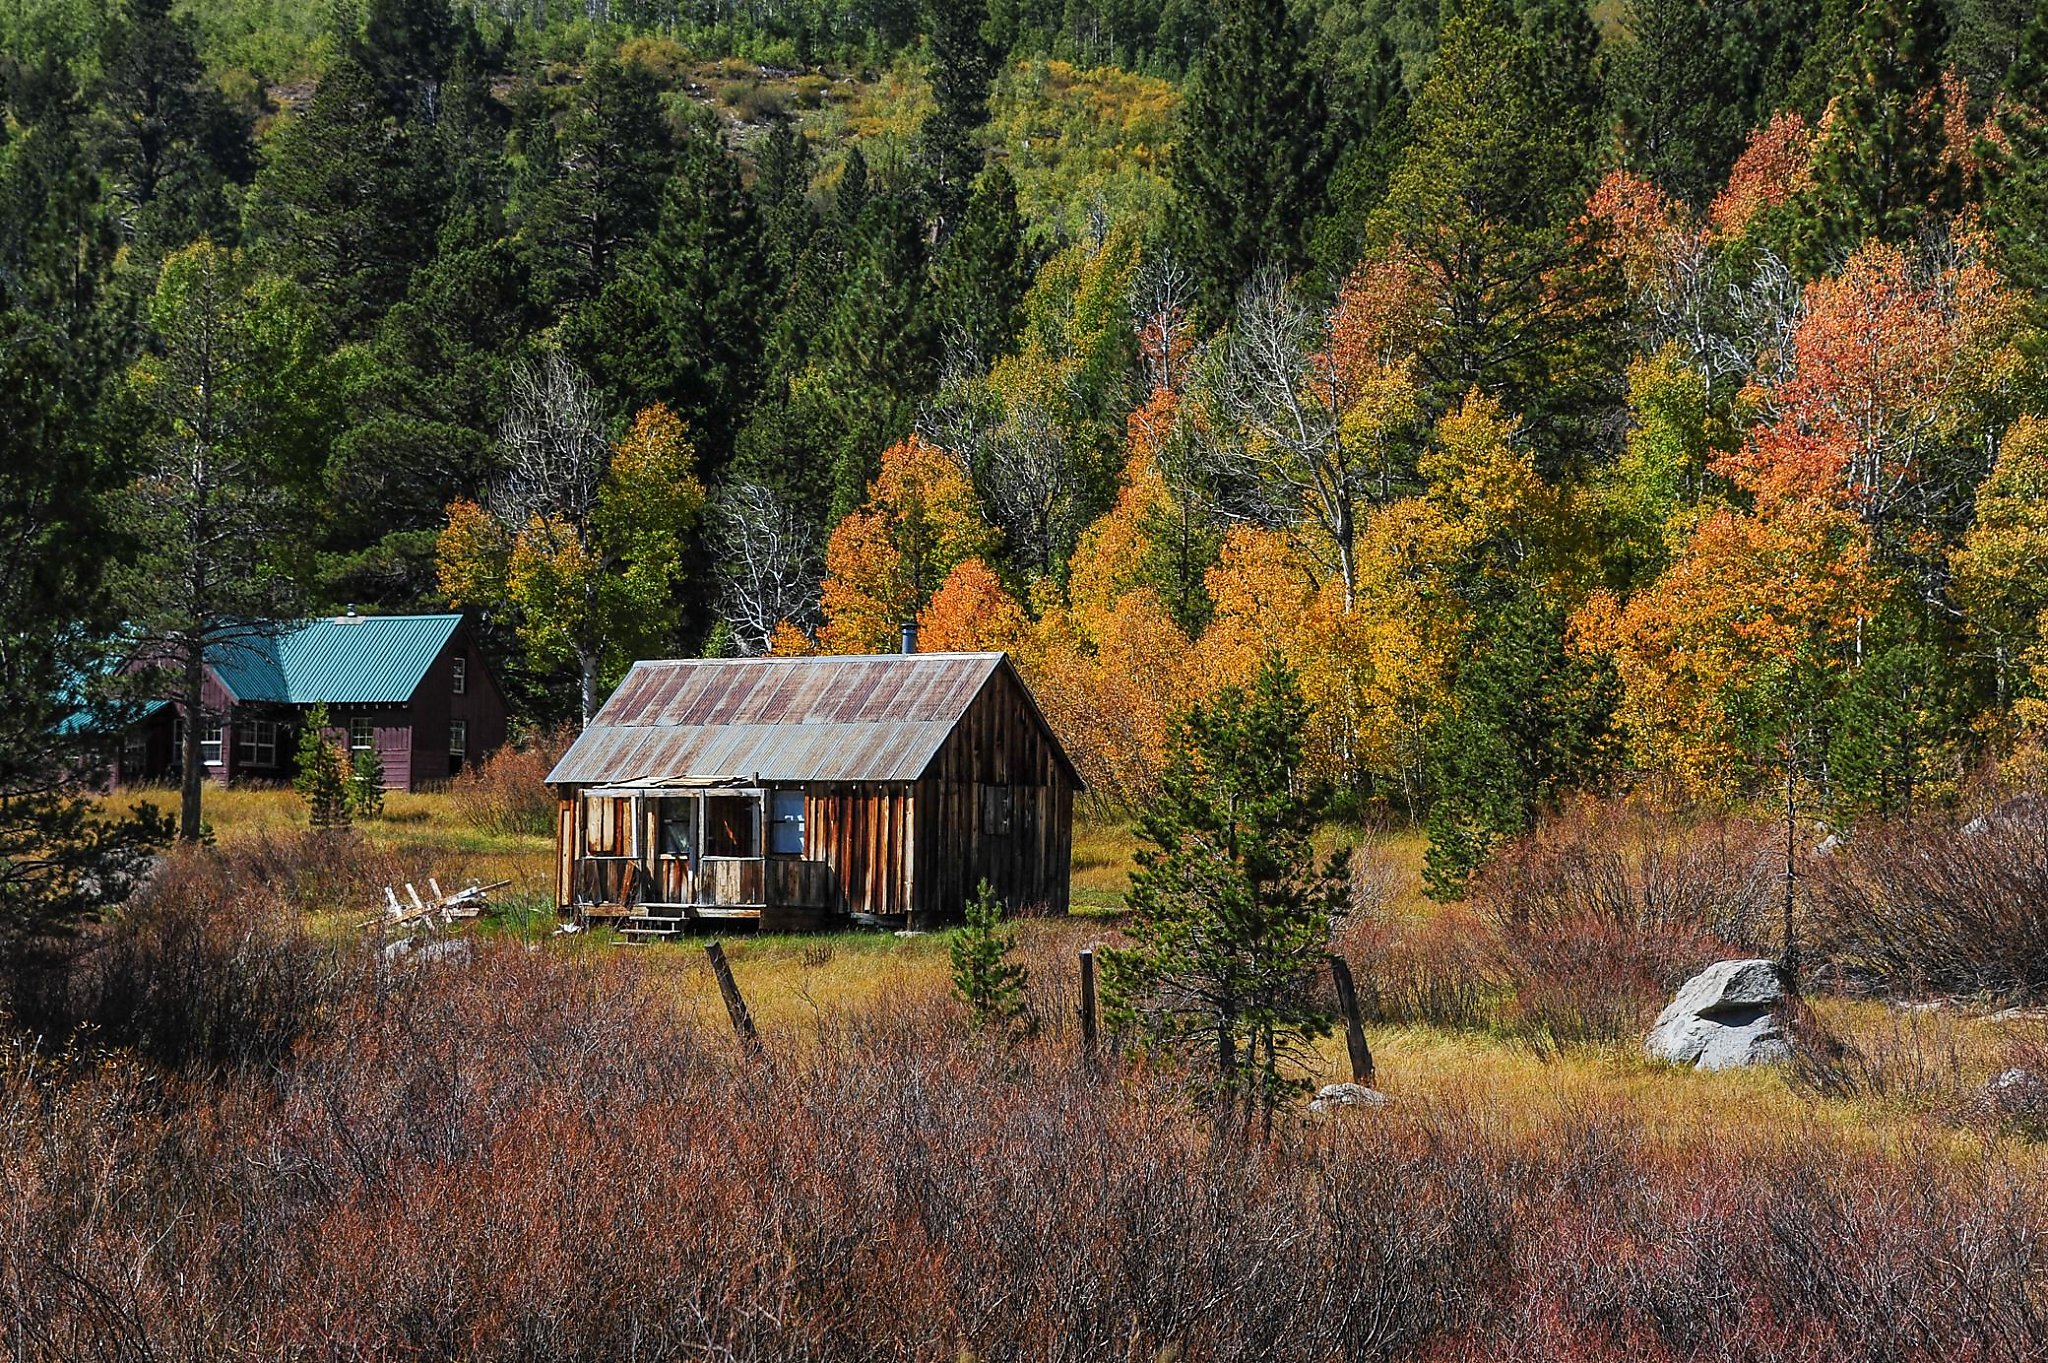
(972, 612)
(887, 559)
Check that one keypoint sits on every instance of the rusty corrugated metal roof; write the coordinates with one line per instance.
(879, 718)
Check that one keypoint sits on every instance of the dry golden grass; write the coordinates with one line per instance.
(424, 831)
(794, 984)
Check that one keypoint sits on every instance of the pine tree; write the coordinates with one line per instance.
(981, 273)
(1526, 720)
(1880, 164)
(1675, 91)
(1253, 152)
(1230, 912)
(348, 204)
(1488, 197)
(984, 976)
(963, 69)
(1374, 129)
(62, 860)
(610, 161)
(169, 141)
(877, 357)
(408, 47)
(682, 325)
(2016, 168)
(321, 779)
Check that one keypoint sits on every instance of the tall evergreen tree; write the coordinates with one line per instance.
(878, 355)
(425, 410)
(682, 325)
(963, 69)
(408, 48)
(1253, 152)
(1675, 90)
(61, 860)
(349, 203)
(981, 273)
(1488, 198)
(169, 141)
(2016, 165)
(242, 403)
(1880, 165)
(1370, 109)
(610, 160)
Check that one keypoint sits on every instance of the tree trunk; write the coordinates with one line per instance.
(191, 779)
(1790, 960)
(586, 666)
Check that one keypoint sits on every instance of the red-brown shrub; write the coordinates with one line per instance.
(535, 1157)
(1938, 906)
(507, 792)
(1607, 905)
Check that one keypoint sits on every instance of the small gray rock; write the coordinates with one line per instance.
(1331, 1097)
(1724, 1018)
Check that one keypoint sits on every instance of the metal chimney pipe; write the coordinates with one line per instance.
(910, 636)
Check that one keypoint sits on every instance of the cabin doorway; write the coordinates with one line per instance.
(675, 848)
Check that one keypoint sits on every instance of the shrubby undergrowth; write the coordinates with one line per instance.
(536, 1156)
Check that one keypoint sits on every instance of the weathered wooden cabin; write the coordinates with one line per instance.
(800, 792)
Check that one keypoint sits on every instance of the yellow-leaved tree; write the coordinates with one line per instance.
(583, 544)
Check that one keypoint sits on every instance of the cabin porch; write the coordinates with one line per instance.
(655, 860)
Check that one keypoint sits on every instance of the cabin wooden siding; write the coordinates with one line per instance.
(867, 831)
(996, 762)
(435, 705)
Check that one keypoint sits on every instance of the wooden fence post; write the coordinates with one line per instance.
(735, 1006)
(1088, 1000)
(1354, 1027)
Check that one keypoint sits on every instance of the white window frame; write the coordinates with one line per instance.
(780, 821)
(459, 675)
(362, 734)
(212, 733)
(458, 738)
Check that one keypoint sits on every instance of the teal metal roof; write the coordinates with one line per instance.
(344, 660)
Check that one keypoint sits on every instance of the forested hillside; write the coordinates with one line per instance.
(1571, 397)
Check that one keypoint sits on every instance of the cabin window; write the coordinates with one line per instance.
(786, 824)
(459, 675)
(362, 734)
(458, 738)
(607, 826)
(995, 810)
(678, 827)
(256, 744)
(209, 742)
(732, 826)
(134, 754)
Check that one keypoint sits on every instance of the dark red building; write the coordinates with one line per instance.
(413, 688)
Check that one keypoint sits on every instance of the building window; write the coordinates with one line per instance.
(607, 826)
(256, 744)
(209, 742)
(362, 734)
(995, 810)
(732, 826)
(458, 738)
(461, 676)
(134, 754)
(786, 824)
